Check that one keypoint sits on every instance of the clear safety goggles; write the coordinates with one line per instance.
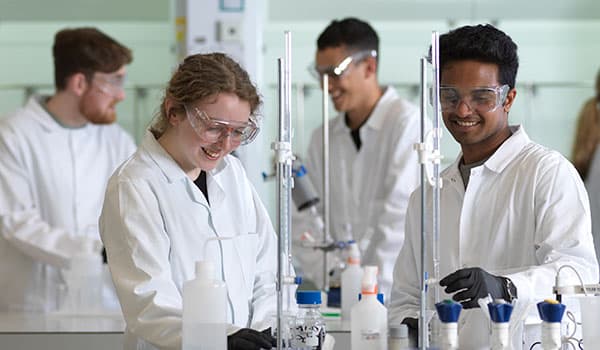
(110, 84)
(480, 99)
(336, 72)
(212, 130)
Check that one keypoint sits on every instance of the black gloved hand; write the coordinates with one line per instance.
(250, 339)
(475, 283)
(413, 329)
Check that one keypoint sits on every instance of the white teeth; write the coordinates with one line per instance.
(211, 154)
(464, 123)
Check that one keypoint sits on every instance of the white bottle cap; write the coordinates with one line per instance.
(205, 270)
(369, 281)
(354, 253)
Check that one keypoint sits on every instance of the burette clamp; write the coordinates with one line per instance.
(428, 155)
(283, 152)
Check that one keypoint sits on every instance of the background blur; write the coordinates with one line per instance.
(558, 43)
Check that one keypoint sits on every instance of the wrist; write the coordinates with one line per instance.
(510, 290)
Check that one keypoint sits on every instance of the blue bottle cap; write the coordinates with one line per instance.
(551, 311)
(500, 311)
(298, 280)
(379, 297)
(304, 297)
(334, 297)
(448, 311)
(300, 171)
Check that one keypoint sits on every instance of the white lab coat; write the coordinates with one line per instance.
(524, 213)
(52, 182)
(155, 224)
(592, 184)
(369, 188)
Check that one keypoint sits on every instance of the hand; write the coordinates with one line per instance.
(475, 283)
(413, 329)
(250, 339)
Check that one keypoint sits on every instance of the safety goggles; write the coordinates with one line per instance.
(109, 84)
(212, 130)
(336, 72)
(480, 99)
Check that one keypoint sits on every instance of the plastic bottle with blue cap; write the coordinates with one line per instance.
(448, 312)
(368, 318)
(551, 312)
(500, 312)
(309, 327)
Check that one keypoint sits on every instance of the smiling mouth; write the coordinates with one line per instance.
(465, 123)
(211, 155)
(336, 95)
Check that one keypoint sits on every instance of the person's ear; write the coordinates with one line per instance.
(371, 66)
(77, 83)
(510, 99)
(172, 112)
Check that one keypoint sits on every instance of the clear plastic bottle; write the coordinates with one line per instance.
(204, 310)
(309, 326)
(369, 316)
(551, 313)
(447, 335)
(398, 337)
(351, 278)
(500, 312)
(84, 280)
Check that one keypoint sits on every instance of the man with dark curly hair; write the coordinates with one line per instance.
(512, 211)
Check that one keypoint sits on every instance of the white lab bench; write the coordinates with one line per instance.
(61, 331)
(20, 331)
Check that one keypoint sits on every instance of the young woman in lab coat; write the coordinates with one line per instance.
(179, 190)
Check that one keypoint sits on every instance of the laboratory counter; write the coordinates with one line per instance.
(54, 331)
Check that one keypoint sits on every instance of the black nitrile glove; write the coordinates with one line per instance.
(413, 329)
(250, 339)
(475, 283)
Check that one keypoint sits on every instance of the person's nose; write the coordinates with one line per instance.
(463, 109)
(331, 84)
(120, 94)
(226, 138)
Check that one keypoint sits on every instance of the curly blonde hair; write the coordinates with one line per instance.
(203, 76)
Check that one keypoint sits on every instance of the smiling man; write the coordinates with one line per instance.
(56, 155)
(512, 211)
(373, 167)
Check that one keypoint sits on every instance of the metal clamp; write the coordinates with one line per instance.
(283, 152)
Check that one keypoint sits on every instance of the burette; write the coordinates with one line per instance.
(284, 157)
(430, 155)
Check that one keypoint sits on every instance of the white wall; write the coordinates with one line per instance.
(558, 63)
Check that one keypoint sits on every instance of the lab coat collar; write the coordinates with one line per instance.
(377, 117)
(167, 165)
(43, 117)
(507, 151)
(173, 172)
(379, 113)
(503, 155)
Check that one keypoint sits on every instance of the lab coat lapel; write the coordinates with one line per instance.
(214, 183)
(170, 169)
(367, 159)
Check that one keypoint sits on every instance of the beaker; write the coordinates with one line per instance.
(590, 318)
